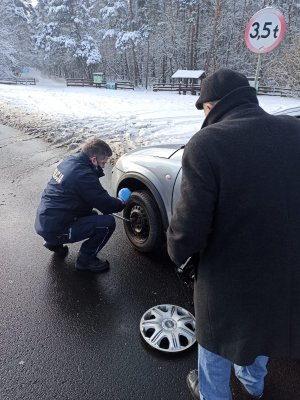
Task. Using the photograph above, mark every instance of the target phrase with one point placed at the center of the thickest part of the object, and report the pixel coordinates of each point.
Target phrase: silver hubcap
(168, 328)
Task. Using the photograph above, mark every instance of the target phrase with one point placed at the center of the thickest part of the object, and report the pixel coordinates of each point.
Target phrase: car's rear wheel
(144, 229)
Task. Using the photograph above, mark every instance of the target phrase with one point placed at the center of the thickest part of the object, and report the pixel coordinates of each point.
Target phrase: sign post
(263, 33)
(257, 71)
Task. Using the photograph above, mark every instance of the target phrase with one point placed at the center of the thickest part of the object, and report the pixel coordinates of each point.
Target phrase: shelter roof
(188, 73)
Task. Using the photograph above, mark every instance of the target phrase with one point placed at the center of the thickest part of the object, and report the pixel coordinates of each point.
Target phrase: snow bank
(67, 116)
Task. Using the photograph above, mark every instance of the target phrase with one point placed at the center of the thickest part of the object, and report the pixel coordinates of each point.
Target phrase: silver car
(153, 174)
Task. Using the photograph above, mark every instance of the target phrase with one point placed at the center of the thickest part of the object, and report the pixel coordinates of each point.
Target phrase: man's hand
(187, 270)
(124, 195)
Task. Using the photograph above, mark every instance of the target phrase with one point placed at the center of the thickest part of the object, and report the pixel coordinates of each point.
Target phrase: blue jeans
(214, 375)
(97, 229)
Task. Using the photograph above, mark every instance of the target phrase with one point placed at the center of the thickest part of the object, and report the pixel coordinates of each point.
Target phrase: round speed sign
(265, 30)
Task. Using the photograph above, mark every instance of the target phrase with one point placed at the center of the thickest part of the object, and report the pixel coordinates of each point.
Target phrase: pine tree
(148, 40)
(65, 36)
(15, 45)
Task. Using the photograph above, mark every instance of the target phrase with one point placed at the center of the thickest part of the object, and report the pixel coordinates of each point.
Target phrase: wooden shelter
(183, 81)
(189, 80)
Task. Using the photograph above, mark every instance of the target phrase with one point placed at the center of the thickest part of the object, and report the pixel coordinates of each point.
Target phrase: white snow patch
(67, 116)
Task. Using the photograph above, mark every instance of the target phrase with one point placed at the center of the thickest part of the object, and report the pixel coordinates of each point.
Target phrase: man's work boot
(60, 250)
(93, 264)
(192, 382)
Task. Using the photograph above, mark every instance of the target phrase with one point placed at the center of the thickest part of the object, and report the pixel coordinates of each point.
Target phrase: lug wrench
(186, 274)
(122, 218)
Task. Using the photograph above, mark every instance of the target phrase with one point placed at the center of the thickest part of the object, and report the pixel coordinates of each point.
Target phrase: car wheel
(144, 228)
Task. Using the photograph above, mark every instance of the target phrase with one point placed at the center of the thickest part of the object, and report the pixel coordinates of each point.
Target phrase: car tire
(145, 230)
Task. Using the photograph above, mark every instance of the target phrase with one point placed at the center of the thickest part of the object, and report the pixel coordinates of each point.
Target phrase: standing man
(239, 216)
(65, 213)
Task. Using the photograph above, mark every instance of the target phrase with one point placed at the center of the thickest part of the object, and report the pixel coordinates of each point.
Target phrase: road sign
(265, 30)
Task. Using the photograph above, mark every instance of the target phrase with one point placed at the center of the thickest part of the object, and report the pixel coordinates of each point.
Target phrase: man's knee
(111, 223)
(107, 221)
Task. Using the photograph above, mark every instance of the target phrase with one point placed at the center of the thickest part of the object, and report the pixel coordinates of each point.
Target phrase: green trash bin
(111, 85)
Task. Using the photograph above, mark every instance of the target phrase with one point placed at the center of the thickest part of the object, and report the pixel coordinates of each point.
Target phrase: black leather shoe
(192, 382)
(92, 265)
(60, 250)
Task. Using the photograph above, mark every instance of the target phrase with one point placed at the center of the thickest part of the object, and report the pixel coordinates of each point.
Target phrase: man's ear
(207, 107)
(210, 106)
(94, 160)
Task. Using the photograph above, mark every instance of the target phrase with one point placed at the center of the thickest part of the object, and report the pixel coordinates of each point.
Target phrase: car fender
(152, 183)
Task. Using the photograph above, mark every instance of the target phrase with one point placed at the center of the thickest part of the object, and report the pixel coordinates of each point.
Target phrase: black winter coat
(240, 209)
(73, 191)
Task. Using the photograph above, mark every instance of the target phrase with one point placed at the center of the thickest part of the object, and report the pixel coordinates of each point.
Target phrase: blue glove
(124, 194)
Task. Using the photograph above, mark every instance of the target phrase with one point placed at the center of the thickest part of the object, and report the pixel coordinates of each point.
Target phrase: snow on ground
(126, 119)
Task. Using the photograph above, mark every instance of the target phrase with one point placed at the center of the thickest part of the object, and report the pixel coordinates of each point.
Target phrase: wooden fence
(161, 87)
(195, 89)
(83, 82)
(181, 88)
(124, 85)
(79, 82)
(278, 91)
(17, 81)
(89, 82)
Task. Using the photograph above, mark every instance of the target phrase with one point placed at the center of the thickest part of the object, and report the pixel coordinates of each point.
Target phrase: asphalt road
(70, 335)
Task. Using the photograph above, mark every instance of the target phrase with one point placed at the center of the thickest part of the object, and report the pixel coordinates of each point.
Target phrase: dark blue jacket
(73, 191)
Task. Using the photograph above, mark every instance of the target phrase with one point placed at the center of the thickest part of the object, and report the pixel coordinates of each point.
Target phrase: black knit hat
(219, 84)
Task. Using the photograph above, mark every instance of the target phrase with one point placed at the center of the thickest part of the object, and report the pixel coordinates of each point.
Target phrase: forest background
(144, 41)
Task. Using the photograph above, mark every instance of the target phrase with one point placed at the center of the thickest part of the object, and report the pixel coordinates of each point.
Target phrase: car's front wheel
(144, 229)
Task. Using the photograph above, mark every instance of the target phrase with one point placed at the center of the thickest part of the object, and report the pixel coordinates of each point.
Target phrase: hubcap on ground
(168, 328)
